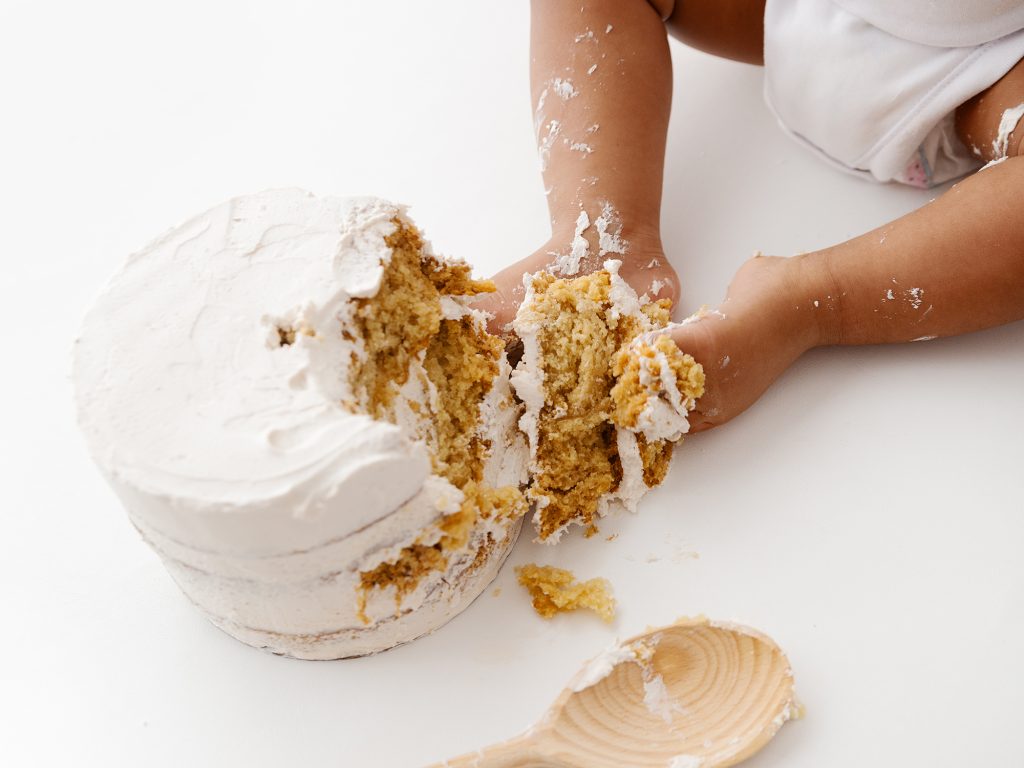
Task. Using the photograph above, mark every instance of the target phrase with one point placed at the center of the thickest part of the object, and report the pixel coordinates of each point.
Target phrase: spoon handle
(521, 752)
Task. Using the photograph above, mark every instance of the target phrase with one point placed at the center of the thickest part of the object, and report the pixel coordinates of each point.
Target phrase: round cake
(303, 416)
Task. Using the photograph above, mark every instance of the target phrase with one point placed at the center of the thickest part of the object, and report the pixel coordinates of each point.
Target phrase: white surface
(866, 513)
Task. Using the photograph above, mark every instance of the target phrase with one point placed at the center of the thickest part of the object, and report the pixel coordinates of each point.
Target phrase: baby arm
(601, 80)
(954, 266)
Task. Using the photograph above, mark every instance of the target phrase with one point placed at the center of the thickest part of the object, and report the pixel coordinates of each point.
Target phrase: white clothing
(856, 82)
(944, 23)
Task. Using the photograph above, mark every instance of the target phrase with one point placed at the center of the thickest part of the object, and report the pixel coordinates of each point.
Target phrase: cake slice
(605, 397)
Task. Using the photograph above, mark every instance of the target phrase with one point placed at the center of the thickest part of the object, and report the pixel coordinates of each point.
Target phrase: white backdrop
(867, 513)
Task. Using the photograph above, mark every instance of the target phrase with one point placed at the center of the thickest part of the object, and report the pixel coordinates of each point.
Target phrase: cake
(606, 392)
(307, 421)
(555, 590)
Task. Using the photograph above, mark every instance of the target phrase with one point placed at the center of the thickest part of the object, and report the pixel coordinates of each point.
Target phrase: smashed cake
(606, 395)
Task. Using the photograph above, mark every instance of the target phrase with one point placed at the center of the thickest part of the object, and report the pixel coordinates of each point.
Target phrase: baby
(917, 91)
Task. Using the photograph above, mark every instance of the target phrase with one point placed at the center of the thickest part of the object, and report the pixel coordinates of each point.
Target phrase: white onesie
(872, 85)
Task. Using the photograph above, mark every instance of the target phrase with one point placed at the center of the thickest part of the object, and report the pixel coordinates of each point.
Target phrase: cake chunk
(555, 590)
(602, 412)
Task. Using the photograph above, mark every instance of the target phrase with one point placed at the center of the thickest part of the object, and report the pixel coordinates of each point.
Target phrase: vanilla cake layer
(303, 416)
(606, 393)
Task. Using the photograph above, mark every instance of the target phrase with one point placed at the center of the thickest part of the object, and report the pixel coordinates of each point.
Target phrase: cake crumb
(496, 592)
(555, 590)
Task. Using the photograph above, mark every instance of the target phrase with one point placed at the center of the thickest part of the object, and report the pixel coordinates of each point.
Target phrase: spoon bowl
(696, 694)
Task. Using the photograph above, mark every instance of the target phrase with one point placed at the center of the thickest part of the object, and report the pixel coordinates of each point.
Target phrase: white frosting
(234, 453)
(599, 667)
(538, 113)
(564, 88)
(609, 228)
(632, 486)
(792, 711)
(508, 462)
(992, 164)
(528, 377)
(569, 264)
(547, 142)
(665, 414)
(657, 698)
(1007, 125)
(623, 298)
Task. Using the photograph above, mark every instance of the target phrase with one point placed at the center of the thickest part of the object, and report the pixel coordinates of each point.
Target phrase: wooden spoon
(696, 694)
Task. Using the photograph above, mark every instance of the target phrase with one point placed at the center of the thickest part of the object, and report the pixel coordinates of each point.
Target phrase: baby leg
(978, 121)
(732, 29)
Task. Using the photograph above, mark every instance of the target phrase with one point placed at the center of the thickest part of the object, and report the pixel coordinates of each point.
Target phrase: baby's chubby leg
(732, 29)
(978, 120)
(955, 265)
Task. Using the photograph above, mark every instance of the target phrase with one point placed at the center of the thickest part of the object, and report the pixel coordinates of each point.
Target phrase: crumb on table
(555, 590)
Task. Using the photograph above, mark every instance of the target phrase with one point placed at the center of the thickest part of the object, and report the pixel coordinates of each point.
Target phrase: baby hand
(645, 268)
